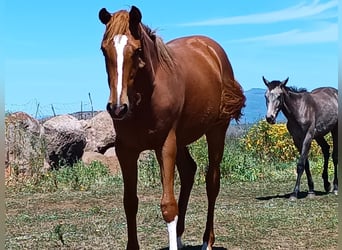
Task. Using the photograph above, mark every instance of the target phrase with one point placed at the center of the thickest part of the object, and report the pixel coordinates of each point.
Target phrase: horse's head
(274, 98)
(122, 49)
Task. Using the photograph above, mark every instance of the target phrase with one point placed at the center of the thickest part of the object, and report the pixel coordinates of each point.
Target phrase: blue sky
(53, 57)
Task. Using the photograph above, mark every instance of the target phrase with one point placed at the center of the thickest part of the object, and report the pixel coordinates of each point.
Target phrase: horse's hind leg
(187, 168)
(325, 150)
(334, 134)
(215, 139)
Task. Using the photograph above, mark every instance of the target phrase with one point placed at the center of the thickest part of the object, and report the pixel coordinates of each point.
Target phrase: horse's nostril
(109, 107)
(270, 119)
(124, 108)
(121, 110)
(117, 111)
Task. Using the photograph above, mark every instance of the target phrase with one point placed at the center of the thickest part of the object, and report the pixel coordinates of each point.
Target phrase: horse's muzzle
(271, 119)
(117, 112)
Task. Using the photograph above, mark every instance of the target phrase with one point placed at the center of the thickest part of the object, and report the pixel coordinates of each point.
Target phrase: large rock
(100, 133)
(109, 161)
(24, 144)
(65, 140)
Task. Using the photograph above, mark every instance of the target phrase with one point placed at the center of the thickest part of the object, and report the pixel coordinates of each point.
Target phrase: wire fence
(34, 108)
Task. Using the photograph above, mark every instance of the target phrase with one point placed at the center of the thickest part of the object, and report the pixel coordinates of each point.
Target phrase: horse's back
(326, 96)
(329, 91)
(205, 72)
(326, 100)
(195, 51)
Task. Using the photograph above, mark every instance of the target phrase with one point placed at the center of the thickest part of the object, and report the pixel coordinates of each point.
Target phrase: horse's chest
(141, 135)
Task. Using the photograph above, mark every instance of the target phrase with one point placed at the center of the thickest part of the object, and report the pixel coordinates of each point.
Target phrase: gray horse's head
(274, 98)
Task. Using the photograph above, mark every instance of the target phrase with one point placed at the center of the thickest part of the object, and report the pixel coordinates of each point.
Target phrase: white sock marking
(120, 42)
(172, 229)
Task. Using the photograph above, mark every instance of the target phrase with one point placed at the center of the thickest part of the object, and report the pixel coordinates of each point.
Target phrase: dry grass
(254, 215)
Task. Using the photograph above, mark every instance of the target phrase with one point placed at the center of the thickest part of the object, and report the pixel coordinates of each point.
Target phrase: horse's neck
(150, 57)
(291, 105)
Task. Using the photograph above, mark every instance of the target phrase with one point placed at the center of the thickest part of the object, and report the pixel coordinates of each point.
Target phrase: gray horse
(310, 116)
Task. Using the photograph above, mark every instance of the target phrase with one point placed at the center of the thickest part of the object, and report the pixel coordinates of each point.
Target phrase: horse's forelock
(274, 84)
(118, 24)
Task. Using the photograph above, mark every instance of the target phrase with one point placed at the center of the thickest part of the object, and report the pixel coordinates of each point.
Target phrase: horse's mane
(119, 24)
(296, 90)
(163, 52)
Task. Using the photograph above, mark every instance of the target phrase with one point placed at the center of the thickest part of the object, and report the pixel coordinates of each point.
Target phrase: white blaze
(120, 42)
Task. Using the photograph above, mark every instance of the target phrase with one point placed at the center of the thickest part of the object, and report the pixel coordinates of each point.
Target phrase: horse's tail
(232, 100)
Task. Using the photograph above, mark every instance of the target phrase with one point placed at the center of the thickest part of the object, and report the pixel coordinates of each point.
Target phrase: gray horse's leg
(325, 149)
(304, 148)
(334, 134)
(311, 192)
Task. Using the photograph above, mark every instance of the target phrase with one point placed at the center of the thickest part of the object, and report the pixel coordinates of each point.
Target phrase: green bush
(267, 141)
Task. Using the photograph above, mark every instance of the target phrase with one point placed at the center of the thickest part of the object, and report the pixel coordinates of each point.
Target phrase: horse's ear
(104, 16)
(134, 20)
(283, 83)
(267, 83)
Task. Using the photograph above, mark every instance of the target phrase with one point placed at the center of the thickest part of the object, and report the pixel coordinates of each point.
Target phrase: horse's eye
(138, 52)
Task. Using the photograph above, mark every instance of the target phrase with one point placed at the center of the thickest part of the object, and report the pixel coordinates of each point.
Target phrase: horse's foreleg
(304, 148)
(215, 139)
(187, 168)
(325, 150)
(167, 158)
(128, 164)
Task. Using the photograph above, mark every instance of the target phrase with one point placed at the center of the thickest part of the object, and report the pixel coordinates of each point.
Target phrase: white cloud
(328, 33)
(302, 10)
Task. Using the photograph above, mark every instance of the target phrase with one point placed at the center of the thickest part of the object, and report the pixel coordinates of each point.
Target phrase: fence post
(91, 105)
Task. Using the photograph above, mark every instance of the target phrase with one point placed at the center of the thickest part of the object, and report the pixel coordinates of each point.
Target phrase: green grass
(80, 207)
(248, 215)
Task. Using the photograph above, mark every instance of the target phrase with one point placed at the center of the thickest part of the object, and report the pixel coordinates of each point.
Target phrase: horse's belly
(192, 127)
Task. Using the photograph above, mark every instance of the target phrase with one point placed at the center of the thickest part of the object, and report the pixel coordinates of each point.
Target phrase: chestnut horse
(164, 97)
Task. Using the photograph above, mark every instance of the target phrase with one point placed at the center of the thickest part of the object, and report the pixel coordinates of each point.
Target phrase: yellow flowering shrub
(274, 142)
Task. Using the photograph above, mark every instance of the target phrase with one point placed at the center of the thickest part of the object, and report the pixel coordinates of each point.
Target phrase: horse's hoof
(335, 192)
(327, 187)
(293, 198)
(311, 195)
(205, 246)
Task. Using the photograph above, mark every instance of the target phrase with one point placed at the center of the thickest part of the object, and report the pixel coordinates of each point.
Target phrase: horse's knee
(300, 168)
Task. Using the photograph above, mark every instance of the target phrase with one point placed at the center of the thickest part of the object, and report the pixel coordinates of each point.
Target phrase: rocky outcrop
(24, 143)
(58, 141)
(65, 140)
(111, 161)
(100, 134)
